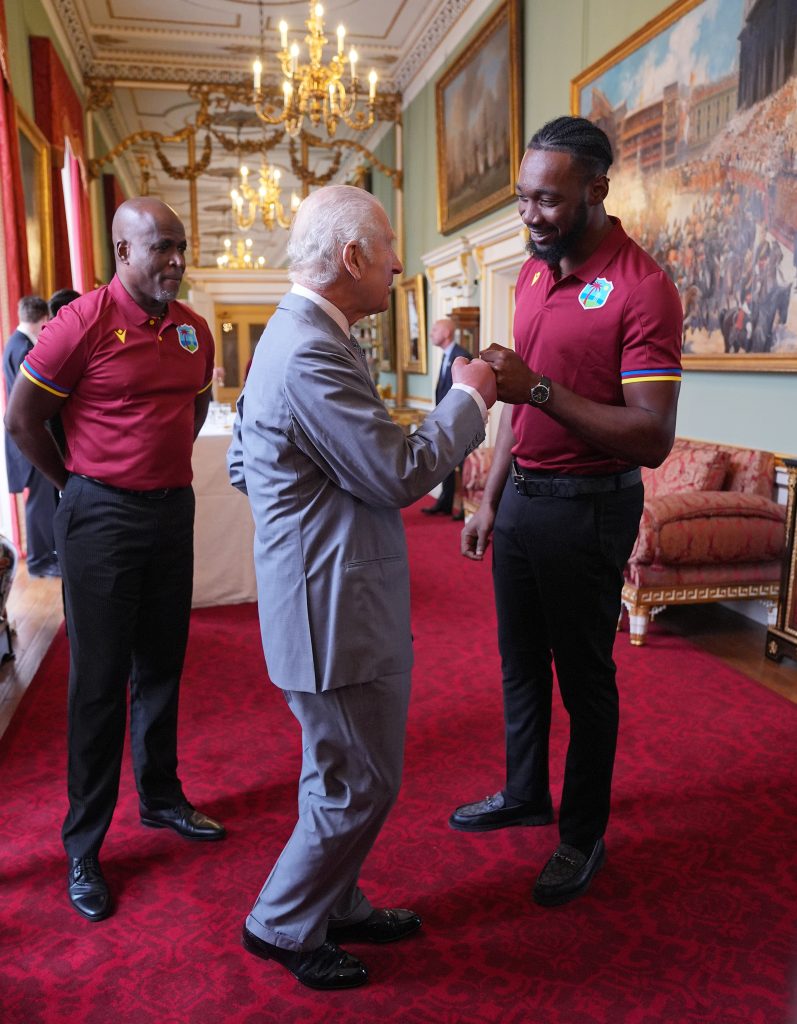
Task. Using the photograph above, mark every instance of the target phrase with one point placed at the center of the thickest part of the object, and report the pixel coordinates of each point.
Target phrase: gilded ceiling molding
(431, 38)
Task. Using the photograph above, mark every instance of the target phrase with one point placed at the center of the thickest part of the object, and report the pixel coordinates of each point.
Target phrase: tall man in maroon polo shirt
(592, 390)
(129, 370)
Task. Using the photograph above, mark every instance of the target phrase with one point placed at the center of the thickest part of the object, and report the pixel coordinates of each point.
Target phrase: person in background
(61, 298)
(442, 335)
(326, 471)
(591, 395)
(124, 526)
(42, 498)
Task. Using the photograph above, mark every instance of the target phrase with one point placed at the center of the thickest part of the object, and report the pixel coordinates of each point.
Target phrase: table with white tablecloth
(224, 571)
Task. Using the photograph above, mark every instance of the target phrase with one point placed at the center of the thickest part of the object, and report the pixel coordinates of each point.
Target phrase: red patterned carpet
(692, 920)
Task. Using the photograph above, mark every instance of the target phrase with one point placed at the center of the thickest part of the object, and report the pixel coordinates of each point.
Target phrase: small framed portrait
(412, 324)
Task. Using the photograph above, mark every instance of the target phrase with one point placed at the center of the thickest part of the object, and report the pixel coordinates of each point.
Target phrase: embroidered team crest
(121, 334)
(535, 279)
(593, 296)
(186, 335)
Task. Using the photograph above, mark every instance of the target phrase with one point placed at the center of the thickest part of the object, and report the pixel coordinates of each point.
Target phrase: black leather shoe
(379, 926)
(185, 821)
(492, 812)
(458, 517)
(328, 967)
(436, 510)
(567, 874)
(42, 571)
(88, 890)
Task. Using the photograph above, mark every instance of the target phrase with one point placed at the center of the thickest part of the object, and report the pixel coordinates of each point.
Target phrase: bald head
(149, 245)
(442, 333)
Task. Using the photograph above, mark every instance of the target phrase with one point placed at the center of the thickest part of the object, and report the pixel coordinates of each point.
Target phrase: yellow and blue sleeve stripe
(43, 382)
(659, 373)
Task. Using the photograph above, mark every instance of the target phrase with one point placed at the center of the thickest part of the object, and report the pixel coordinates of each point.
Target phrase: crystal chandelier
(241, 258)
(247, 201)
(315, 90)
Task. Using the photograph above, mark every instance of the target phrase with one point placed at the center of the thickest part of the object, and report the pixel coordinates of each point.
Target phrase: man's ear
(122, 250)
(353, 260)
(598, 189)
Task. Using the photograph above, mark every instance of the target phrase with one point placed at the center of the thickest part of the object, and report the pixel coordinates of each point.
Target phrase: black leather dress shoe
(458, 517)
(88, 890)
(379, 926)
(186, 821)
(328, 967)
(436, 510)
(492, 812)
(567, 874)
(47, 569)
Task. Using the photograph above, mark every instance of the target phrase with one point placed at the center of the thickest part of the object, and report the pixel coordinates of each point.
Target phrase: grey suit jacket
(327, 471)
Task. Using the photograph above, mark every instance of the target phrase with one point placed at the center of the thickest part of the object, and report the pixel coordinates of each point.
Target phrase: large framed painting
(479, 123)
(700, 107)
(34, 155)
(412, 324)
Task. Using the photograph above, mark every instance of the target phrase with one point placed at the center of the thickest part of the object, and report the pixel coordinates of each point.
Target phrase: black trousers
(557, 573)
(127, 565)
(39, 512)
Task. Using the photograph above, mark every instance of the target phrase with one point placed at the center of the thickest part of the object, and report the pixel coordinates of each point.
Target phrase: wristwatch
(541, 392)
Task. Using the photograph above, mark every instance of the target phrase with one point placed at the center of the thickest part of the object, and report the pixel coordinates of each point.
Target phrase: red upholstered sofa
(710, 531)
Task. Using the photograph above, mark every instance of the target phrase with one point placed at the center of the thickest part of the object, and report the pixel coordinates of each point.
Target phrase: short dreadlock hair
(587, 143)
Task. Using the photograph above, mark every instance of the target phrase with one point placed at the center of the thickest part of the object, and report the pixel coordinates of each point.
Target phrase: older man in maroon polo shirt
(128, 369)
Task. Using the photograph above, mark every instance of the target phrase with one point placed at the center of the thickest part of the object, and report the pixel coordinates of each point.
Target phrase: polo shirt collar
(131, 309)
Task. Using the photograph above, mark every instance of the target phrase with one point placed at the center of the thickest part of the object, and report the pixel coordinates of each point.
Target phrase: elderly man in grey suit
(327, 471)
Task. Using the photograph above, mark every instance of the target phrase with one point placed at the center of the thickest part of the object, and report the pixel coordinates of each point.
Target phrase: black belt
(531, 484)
(158, 493)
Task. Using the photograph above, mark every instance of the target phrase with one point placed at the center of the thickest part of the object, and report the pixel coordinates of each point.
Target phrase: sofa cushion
(751, 471)
(710, 528)
(739, 574)
(690, 466)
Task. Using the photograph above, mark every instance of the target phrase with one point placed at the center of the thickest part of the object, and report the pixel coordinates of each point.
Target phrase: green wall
(561, 39)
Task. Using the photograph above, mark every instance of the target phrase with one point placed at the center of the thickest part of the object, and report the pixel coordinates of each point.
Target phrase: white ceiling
(151, 50)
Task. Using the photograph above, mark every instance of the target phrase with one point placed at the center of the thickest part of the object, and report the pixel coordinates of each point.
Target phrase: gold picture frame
(412, 324)
(479, 126)
(34, 153)
(700, 178)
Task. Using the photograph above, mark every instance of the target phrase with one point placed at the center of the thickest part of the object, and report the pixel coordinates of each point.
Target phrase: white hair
(325, 222)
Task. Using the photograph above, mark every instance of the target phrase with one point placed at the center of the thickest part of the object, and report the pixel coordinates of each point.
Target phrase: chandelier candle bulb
(257, 68)
(294, 57)
(341, 37)
(353, 63)
(284, 35)
(372, 86)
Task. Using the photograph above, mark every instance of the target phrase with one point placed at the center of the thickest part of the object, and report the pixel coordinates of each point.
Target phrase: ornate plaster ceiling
(142, 55)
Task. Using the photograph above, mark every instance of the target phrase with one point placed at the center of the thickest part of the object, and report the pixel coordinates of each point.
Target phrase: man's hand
(476, 374)
(513, 378)
(475, 536)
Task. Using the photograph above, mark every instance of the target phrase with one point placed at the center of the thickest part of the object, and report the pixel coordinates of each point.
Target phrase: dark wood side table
(782, 637)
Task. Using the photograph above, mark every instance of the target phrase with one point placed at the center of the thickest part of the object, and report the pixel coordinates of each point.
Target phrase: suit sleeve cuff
(474, 394)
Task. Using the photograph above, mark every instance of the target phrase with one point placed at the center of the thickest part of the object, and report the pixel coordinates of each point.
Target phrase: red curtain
(15, 282)
(59, 115)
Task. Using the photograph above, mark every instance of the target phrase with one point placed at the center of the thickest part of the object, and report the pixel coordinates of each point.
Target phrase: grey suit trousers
(352, 762)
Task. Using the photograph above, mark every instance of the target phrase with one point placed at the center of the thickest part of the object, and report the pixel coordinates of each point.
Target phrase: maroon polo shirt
(612, 323)
(130, 381)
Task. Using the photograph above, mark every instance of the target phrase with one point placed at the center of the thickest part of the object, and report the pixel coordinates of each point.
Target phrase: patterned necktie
(359, 350)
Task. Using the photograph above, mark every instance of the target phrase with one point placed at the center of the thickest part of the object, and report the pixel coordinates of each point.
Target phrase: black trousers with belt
(127, 565)
(557, 572)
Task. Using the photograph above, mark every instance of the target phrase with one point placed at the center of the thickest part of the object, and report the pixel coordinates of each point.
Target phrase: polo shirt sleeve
(209, 350)
(58, 359)
(653, 324)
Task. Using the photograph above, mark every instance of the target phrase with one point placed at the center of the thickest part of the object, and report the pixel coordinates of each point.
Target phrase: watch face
(540, 393)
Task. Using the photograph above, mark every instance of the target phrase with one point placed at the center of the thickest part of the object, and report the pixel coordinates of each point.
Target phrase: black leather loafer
(492, 812)
(186, 821)
(328, 967)
(435, 510)
(567, 874)
(379, 926)
(88, 890)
